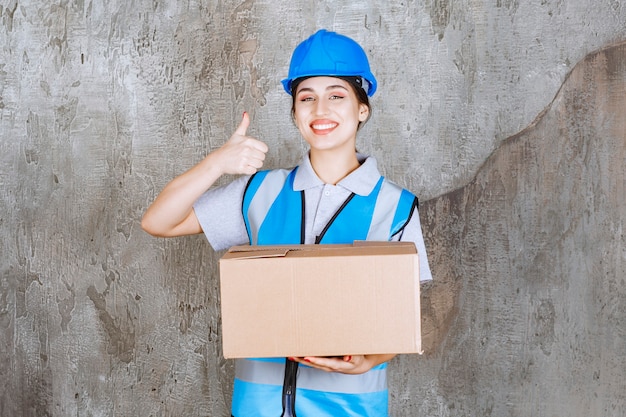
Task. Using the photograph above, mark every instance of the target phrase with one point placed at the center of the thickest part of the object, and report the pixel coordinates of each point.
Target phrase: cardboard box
(320, 300)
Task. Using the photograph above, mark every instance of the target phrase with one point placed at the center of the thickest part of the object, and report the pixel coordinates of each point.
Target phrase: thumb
(243, 126)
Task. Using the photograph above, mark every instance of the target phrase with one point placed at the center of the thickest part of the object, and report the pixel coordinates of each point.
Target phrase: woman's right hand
(241, 154)
(171, 213)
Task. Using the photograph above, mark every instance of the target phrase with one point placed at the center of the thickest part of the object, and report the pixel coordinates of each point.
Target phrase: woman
(334, 195)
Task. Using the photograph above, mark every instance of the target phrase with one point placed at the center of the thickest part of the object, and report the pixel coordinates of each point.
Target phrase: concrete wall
(532, 256)
(102, 103)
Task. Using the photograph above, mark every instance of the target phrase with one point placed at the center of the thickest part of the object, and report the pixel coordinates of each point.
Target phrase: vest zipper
(289, 389)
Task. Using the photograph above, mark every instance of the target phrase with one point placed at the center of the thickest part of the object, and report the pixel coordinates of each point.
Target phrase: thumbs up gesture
(242, 154)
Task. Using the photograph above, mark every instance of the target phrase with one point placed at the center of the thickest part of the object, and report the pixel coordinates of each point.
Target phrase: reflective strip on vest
(272, 373)
(381, 224)
(256, 206)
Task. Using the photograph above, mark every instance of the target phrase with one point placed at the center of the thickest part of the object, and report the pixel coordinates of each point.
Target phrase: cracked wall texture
(505, 117)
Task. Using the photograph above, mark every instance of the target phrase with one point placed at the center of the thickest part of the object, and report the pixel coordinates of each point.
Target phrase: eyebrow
(330, 87)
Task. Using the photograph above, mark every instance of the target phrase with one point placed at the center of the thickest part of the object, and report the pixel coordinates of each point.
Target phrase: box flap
(250, 252)
(356, 248)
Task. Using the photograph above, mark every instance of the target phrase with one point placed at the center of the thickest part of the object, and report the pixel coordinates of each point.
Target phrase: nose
(321, 107)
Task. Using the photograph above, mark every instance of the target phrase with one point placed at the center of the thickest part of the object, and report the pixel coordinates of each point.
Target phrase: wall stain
(247, 49)
(66, 306)
(3, 77)
(440, 11)
(9, 12)
(64, 115)
(511, 5)
(120, 331)
(187, 314)
(543, 326)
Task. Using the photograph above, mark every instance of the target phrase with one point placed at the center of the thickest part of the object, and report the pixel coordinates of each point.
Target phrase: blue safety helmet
(330, 54)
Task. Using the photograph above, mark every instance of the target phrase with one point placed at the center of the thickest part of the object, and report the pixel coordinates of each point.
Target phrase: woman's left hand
(348, 364)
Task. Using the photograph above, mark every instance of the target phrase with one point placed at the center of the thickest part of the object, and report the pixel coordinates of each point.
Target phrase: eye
(306, 98)
(336, 97)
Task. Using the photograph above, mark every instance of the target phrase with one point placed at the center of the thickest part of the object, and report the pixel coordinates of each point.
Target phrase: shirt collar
(361, 181)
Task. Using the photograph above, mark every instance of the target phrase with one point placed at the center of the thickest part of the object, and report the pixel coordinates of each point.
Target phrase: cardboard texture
(320, 300)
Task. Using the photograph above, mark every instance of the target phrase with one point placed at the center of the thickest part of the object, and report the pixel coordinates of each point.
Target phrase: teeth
(323, 127)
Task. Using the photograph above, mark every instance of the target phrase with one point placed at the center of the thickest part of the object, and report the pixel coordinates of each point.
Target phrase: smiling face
(327, 112)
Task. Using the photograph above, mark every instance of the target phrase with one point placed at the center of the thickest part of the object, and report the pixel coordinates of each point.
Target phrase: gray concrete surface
(500, 115)
(528, 318)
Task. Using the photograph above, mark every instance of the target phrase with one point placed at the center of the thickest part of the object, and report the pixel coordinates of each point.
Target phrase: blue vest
(274, 214)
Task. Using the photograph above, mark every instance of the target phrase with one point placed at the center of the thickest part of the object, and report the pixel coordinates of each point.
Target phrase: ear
(364, 112)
